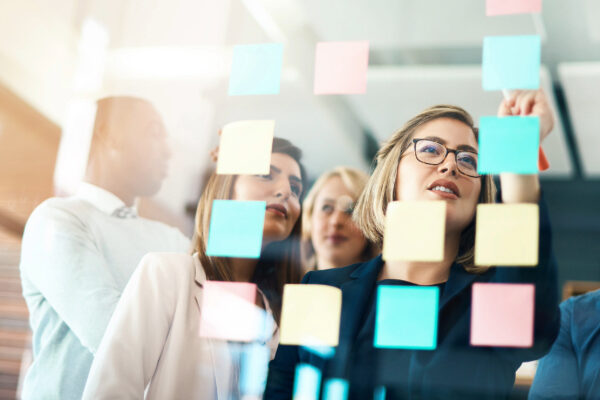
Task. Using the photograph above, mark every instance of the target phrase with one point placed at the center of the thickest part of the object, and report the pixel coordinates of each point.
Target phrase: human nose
(283, 189)
(338, 218)
(449, 165)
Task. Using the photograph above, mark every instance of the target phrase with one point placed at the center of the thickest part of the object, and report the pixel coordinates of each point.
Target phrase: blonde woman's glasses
(434, 153)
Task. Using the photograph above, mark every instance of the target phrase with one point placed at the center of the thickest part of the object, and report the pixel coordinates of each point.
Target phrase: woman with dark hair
(433, 157)
(152, 346)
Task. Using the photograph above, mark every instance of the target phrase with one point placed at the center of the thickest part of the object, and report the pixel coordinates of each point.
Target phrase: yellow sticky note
(310, 315)
(414, 231)
(507, 234)
(245, 148)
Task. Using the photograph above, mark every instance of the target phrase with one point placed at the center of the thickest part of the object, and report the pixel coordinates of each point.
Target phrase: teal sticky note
(254, 368)
(511, 62)
(508, 144)
(335, 389)
(236, 228)
(406, 317)
(307, 382)
(256, 69)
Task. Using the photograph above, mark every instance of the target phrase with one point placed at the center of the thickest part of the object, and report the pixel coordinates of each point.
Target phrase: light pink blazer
(151, 348)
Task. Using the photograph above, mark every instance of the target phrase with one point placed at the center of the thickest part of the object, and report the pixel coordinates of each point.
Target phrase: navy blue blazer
(454, 369)
(571, 370)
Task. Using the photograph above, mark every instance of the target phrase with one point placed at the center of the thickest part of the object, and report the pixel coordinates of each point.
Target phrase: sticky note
(511, 62)
(502, 314)
(256, 69)
(307, 382)
(245, 148)
(335, 389)
(414, 231)
(236, 228)
(310, 315)
(508, 144)
(229, 311)
(325, 352)
(507, 234)
(254, 368)
(406, 317)
(504, 7)
(341, 67)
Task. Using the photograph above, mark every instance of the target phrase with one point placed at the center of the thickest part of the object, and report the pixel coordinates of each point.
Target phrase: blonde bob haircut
(279, 262)
(369, 214)
(355, 181)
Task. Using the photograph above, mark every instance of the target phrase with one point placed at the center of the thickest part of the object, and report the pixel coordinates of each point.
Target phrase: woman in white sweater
(152, 348)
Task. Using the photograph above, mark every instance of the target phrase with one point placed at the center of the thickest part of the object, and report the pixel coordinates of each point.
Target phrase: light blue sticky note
(236, 228)
(511, 62)
(379, 393)
(256, 69)
(254, 368)
(335, 389)
(307, 382)
(508, 144)
(406, 317)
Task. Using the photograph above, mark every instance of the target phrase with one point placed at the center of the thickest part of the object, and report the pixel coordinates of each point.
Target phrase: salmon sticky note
(504, 7)
(307, 382)
(229, 312)
(507, 234)
(508, 144)
(256, 69)
(236, 228)
(414, 231)
(511, 62)
(341, 67)
(310, 315)
(502, 314)
(245, 148)
(406, 317)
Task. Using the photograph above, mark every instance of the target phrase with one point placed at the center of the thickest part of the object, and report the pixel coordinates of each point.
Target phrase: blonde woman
(433, 157)
(330, 239)
(152, 347)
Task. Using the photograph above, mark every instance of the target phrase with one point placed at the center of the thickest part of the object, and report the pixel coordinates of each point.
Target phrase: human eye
(469, 160)
(296, 189)
(327, 208)
(266, 176)
(429, 147)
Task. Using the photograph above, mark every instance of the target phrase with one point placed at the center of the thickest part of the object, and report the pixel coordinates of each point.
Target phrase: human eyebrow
(275, 169)
(435, 139)
(466, 147)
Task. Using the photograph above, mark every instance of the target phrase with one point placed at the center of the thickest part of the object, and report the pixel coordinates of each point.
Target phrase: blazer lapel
(458, 280)
(356, 294)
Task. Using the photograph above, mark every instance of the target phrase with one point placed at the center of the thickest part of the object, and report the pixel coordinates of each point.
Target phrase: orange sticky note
(310, 315)
(341, 67)
(228, 312)
(414, 231)
(502, 314)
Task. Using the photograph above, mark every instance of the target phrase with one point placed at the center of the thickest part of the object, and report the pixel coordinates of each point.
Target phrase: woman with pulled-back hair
(152, 348)
(433, 157)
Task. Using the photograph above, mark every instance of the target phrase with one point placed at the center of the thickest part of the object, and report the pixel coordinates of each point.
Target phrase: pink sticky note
(228, 311)
(504, 7)
(341, 67)
(502, 314)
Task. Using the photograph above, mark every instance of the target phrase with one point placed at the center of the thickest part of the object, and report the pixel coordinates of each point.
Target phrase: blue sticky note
(406, 317)
(254, 368)
(335, 389)
(256, 69)
(511, 62)
(236, 228)
(325, 352)
(508, 144)
(307, 382)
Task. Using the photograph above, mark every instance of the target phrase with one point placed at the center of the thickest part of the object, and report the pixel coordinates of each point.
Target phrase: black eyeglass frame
(455, 151)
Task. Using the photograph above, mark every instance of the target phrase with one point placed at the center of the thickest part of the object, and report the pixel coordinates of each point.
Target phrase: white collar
(100, 198)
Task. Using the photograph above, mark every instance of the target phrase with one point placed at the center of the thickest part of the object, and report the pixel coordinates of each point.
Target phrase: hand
(529, 103)
(214, 153)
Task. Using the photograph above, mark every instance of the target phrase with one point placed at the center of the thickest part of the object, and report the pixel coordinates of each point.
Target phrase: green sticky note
(236, 228)
(511, 62)
(406, 317)
(508, 144)
(256, 69)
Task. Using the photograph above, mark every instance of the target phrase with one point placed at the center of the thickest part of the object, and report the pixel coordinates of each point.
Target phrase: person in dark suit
(455, 369)
(570, 370)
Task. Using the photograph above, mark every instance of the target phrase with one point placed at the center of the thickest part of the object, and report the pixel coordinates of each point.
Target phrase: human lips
(445, 188)
(336, 238)
(277, 209)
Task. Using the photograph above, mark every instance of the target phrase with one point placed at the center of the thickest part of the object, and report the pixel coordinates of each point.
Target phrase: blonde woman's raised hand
(529, 103)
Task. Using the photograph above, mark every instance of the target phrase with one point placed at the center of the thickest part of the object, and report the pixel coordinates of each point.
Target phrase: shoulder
(333, 276)
(57, 207)
(167, 264)
(583, 306)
